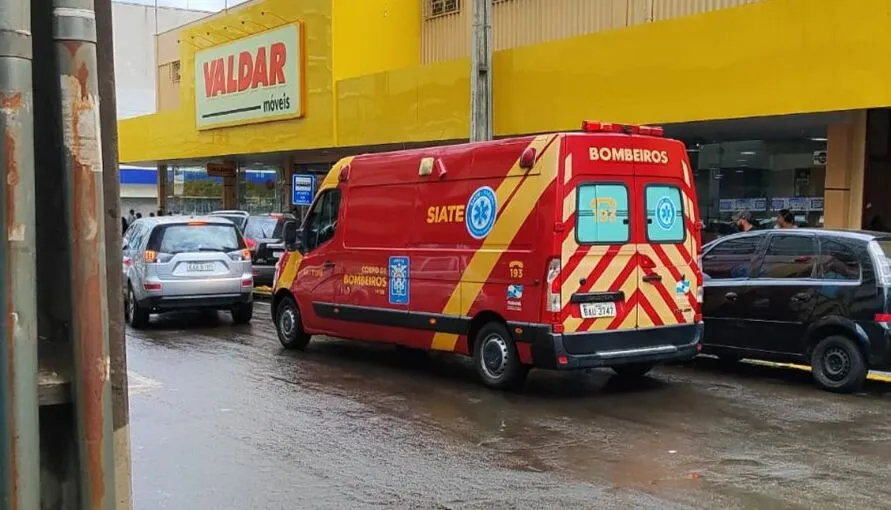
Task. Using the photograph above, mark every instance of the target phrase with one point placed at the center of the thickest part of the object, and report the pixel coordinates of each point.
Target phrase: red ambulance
(560, 251)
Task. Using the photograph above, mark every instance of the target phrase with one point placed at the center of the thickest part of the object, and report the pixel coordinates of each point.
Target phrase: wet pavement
(223, 418)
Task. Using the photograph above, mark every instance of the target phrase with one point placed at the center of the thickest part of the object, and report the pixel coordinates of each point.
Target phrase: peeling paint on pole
(75, 35)
(19, 443)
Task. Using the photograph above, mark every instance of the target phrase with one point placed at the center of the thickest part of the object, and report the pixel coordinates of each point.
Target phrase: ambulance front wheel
(496, 359)
(289, 326)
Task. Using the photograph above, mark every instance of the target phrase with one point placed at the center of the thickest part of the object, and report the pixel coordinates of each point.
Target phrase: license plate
(598, 310)
(278, 254)
(200, 267)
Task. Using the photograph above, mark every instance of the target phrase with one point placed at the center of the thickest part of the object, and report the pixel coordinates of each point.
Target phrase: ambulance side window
(321, 223)
(602, 213)
(665, 214)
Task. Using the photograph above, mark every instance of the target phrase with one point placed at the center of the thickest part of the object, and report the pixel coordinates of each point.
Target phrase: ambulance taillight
(553, 286)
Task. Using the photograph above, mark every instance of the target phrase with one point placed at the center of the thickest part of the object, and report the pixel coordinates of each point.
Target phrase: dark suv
(263, 235)
(819, 297)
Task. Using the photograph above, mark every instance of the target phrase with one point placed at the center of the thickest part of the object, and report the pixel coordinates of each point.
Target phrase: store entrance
(877, 171)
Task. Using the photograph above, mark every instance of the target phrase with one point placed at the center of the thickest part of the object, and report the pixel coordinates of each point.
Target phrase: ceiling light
(748, 153)
(819, 139)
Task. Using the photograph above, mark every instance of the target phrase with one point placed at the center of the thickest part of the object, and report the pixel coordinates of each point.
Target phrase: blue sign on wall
(303, 189)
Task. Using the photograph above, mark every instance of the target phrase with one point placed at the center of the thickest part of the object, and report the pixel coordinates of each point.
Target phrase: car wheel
(137, 317)
(633, 371)
(289, 326)
(242, 313)
(838, 365)
(496, 359)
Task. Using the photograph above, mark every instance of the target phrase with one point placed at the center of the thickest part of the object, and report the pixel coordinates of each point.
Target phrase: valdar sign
(255, 69)
(254, 79)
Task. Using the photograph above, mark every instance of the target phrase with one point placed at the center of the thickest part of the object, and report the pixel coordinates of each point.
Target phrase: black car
(263, 235)
(819, 297)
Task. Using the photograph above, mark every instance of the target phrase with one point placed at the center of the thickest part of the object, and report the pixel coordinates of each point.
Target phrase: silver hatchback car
(176, 263)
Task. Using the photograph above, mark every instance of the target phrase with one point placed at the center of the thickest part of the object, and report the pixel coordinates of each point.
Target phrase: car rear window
(234, 218)
(885, 245)
(259, 227)
(195, 237)
(602, 214)
(665, 214)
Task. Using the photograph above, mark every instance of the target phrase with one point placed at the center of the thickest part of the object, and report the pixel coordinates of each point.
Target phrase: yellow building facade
(782, 102)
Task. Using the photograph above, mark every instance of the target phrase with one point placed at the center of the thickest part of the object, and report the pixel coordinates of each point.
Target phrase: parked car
(174, 263)
(263, 235)
(819, 297)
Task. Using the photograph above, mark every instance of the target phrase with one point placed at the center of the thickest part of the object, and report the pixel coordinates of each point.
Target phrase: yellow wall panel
(768, 58)
(408, 105)
(371, 36)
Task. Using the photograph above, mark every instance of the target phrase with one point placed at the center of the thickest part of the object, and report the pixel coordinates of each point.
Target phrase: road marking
(877, 376)
(140, 384)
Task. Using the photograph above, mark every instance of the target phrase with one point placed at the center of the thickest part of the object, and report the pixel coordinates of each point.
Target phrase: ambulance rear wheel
(496, 359)
(289, 326)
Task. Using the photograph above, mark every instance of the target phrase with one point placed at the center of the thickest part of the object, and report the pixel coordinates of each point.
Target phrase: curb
(884, 377)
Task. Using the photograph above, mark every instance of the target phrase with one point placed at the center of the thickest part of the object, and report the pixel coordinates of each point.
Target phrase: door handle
(801, 296)
(650, 278)
(328, 264)
(731, 296)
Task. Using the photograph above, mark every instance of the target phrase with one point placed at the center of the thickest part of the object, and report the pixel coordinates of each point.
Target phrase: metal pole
(112, 186)
(19, 416)
(481, 72)
(74, 32)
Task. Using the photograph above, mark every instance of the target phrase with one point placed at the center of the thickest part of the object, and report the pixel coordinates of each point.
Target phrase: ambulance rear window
(602, 214)
(665, 214)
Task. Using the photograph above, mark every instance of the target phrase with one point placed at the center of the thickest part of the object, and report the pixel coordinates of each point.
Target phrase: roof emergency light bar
(608, 127)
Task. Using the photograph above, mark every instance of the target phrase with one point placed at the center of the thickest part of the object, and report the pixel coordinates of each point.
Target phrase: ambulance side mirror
(291, 236)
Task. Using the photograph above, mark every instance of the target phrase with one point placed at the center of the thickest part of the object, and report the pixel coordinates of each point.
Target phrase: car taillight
(251, 244)
(247, 282)
(151, 256)
(152, 286)
(554, 303)
(245, 254)
(883, 318)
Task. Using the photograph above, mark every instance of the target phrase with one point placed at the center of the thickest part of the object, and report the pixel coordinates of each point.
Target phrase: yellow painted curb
(872, 375)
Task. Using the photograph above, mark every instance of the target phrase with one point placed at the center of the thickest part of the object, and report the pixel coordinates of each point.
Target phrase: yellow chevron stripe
(567, 169)
(507, 225)
(588, 263)
(605, 280)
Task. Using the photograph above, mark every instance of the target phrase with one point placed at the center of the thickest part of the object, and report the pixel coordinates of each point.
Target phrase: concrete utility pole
(481, 72)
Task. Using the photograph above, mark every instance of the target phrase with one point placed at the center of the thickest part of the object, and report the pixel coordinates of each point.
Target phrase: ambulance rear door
(599, 276)
(669, 278)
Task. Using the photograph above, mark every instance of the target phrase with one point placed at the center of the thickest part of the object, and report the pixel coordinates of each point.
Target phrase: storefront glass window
(763, 177)
(191, 191)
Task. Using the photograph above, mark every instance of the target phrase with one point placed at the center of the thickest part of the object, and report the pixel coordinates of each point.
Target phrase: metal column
(481, 72)
(19, 443)
(74, 33)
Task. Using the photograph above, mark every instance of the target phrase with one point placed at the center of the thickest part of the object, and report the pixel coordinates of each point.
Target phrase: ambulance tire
(496, 358)
(289, 326)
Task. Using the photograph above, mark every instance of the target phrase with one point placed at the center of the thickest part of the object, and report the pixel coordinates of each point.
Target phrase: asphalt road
(223, 418)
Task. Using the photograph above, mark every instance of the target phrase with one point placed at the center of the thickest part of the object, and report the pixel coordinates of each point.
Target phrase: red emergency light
(609, 127)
